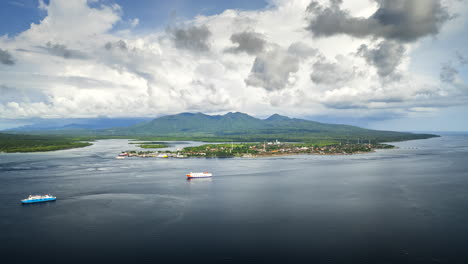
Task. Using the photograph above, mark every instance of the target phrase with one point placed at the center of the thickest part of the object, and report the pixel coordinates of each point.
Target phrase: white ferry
(199, 175)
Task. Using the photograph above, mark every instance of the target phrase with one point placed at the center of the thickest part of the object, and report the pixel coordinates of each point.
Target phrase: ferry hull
(193, 177)
(38, 200)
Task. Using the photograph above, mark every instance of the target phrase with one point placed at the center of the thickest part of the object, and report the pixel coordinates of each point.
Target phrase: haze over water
(405, 205)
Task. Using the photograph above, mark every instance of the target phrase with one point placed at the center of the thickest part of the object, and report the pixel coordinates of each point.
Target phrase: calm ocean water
(406, 205)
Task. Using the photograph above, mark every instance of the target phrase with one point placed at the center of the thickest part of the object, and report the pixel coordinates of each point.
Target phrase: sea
(402, 205)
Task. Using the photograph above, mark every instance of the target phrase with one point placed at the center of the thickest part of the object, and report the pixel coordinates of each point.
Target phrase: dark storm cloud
(272, 70)
(324, 72)
(385, 57)
(6, 57)
(448, 73)
(61, 50)
(249, 42)
(461, 59)
(343, 105)
(122, 45)
(192, 38)
(402, 20)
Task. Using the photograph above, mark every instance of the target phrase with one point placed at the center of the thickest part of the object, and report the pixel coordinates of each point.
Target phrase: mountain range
(62, 124)
(229, 127)
(240, 126)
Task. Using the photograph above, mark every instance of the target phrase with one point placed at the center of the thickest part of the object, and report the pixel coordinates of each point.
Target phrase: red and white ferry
(199, 175)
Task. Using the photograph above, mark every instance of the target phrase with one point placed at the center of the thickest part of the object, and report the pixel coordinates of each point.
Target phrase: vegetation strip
(28, 143)
(153, 146)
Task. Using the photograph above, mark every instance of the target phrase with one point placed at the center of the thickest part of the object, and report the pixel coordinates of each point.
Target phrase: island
(265, 149)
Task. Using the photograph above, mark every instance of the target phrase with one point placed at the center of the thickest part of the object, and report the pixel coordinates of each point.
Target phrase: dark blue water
(406, 205)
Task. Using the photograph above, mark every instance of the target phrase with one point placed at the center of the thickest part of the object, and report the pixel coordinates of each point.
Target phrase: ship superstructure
(199, 175)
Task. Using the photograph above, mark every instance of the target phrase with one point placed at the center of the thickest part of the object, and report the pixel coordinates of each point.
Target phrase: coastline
(257, 150)
(292, 154)
(317, 154)
(77, 145)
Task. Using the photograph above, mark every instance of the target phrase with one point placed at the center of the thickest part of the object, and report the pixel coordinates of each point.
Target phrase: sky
(383, 64)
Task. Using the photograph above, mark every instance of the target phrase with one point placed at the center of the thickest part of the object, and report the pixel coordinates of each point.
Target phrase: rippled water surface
(405, 205)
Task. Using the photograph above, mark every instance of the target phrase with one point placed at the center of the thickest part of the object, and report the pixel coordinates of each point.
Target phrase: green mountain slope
(188, 123)
(240, 126)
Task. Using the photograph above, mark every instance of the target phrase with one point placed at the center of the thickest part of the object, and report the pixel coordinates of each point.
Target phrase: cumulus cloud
(194, 38)
(302, 50)
(72, 21)
(252, 62)
(6, 57)
(272, 70)
(402, 20)
(386, 56)
(249, 42)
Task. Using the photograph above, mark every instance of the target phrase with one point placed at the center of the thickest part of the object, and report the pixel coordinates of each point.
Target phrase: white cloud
(72, 21)
(72, 64)
(134, 22)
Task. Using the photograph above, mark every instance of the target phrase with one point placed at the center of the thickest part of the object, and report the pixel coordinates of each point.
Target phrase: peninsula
(10, 143)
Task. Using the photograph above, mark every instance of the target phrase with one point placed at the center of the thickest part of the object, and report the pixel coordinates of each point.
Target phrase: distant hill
(69, 124)
(240, 126)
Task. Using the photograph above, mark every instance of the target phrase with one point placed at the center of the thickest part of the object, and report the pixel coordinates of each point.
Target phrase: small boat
(199, 175)
(39, 198)
(120, 157)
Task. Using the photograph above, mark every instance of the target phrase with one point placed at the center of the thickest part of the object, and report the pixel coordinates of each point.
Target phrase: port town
(254, 150)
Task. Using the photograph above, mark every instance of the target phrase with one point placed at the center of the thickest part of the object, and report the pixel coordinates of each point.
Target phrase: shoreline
(39, 150)
(90, 143)
(264, 156)
(317, 154)
(325, 151)
(292, 154)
